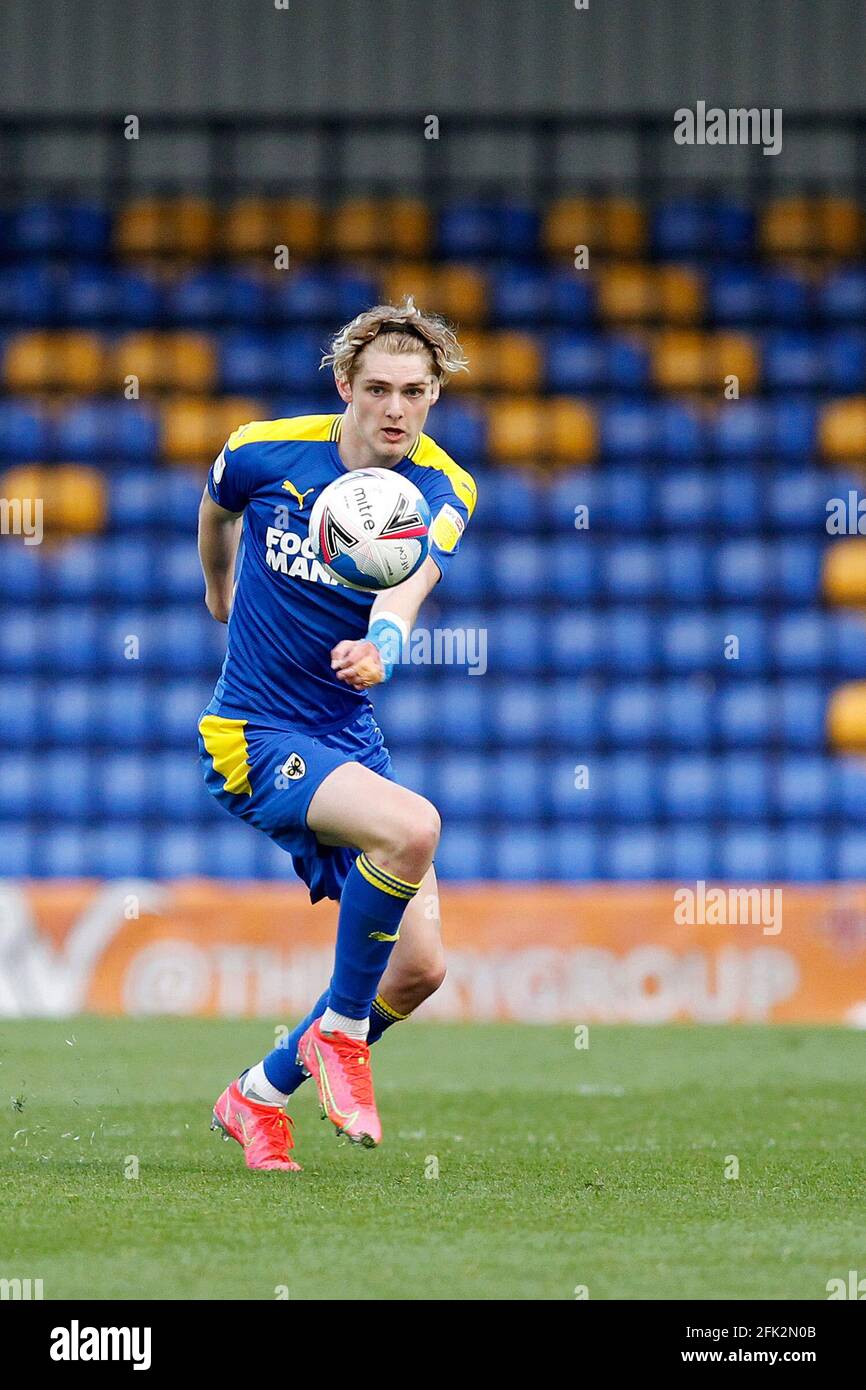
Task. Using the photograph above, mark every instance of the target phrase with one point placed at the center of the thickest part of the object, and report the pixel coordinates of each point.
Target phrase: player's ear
(344, 388)
(434, 390)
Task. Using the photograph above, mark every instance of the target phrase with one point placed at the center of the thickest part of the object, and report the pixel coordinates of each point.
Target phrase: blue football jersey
(288, 612)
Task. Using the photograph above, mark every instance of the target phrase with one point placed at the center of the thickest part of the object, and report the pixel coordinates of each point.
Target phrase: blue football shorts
(269, 777)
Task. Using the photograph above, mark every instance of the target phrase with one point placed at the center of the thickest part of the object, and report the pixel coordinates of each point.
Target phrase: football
(370, 529)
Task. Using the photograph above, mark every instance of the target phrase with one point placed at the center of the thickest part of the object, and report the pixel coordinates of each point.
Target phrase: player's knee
(421, 978)
(421, 832)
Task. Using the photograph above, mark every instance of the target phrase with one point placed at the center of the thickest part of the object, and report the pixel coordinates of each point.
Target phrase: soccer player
(289, 741)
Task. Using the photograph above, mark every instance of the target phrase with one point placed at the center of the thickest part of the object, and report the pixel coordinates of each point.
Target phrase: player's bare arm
(360, 663)
(218, 533)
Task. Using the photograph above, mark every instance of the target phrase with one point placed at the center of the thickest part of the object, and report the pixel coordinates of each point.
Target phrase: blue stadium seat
(747, 714)
(60, 852)
(682, 432)
(842, 294)
(69, 717)
(198, 297)
(178, 573)
(628, 853)
(572, 564)
(849, 787)
(177, 853)
(792, 358)
(575, 709)
(803, 787)
(461, 707)
(463, 785)
(684, 499)
(24, 573)
(462, 853)
(406, 707)
(624, 501)
(77, 569)
(308, 295)
(631, 570)
(519, 713)
(518, 502)
(845, 360)
(793, 429)
(851, 855)
(745, 789)
(107, 431)
(518, 569)
(632, 714)
(18, 851)
(741, 431)
(26, 434)
(689, 787)
(572, 300)
(247, 361)
(690, 852)
(572, 640)
(800, 714)
(629, 430)
(735, 295)
(739, 498)
(801, 642)
(687, 717)
(460, 428)
(747, 854)
(21, 777)
(519, 294)
(231, 851)
(21, 710)
(176, 706)
(685, 570)
(65, 785)
(140, 299)
(568, 491)
(514, 786)
(28, 295)
(517, 853)
(847, 642)
(797, 565)
(804, 854)
(630, 787)
(468, 228)
(295, 360)
(515, 642)
(175, 788)
(576, 361)
(122, 788)
(577, 785)
(744, 571)
(797, 500)
(572, 853)
(88, 296)
(122, 713)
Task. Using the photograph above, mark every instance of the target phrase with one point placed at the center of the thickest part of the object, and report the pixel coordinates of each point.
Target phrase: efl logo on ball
(370, 528)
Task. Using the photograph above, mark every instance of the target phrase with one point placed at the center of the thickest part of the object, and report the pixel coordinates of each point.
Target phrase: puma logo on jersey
(290, 487)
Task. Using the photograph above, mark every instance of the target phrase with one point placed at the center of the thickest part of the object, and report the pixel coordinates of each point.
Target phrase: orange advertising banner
(535, 953)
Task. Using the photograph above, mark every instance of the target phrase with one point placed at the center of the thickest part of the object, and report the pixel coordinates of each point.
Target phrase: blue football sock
(372, 904)
(282, 1070)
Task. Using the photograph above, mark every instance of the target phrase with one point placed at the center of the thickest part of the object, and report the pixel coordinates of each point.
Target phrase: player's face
(390, 396)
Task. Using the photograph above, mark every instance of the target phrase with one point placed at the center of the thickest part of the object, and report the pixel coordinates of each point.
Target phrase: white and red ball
(370, 528)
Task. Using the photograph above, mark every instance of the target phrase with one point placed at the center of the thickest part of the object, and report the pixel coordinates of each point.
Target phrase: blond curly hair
(397, 328)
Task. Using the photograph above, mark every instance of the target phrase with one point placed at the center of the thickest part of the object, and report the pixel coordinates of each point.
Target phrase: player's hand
(358, 664)
(217, 605)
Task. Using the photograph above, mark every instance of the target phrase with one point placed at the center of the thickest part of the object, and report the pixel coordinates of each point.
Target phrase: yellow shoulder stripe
(428, 454)
(295, 427)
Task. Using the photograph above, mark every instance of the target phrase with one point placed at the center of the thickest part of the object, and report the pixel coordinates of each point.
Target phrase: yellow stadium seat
(626, 292)
(810, 226)
(569, 222)
(843, 226)
(790, 225)
(298, 224)
(141, 355)
(623, 224)
(842, 430)
(409, 227)
(73, 496)
(191, 362)
(846, 717)
(844, 577)
(734, 354)
(679, 359)
(516, 363)
(82, 362)
(480, 352)
(408, 277)
(518, 429)
(358, 227)
(573, 435)
(194, 227)
(680, 294)
(462, 289)
(248, 227)
(143, 227)
(29, 362)
(187, 430)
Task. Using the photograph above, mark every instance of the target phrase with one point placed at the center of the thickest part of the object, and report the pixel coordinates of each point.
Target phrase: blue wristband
(388, 640)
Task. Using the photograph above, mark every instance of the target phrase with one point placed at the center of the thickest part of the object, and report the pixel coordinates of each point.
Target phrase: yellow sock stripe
(391, 882)
(386, 1011)
(380, 883)
(386, 873)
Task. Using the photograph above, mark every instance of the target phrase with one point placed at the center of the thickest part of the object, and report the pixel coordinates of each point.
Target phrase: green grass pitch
(557, 1167)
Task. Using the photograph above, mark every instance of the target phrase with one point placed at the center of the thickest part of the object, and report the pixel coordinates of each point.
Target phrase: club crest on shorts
(294, 767)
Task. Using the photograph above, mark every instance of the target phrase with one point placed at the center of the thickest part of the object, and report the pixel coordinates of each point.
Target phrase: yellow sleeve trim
(295, 427)
(428, 454)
